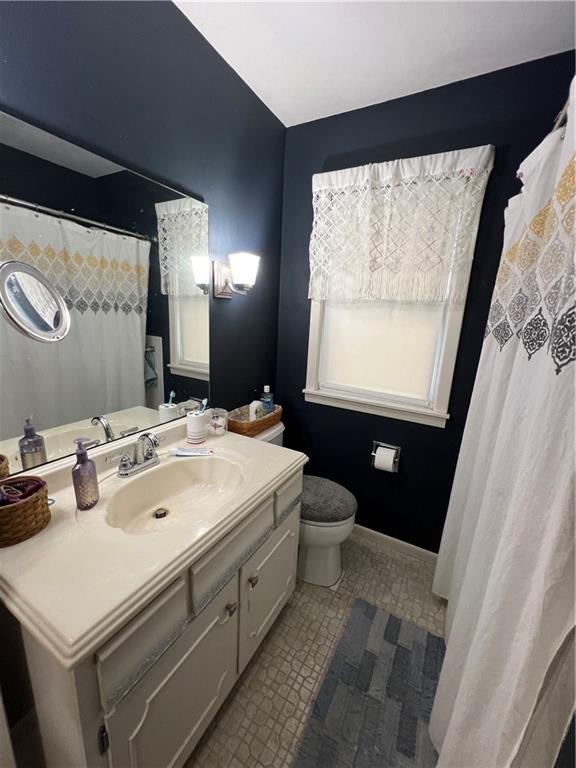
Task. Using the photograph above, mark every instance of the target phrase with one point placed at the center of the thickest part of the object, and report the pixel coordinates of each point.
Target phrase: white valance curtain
(182, 235)
(506, 562)
(99, 367)
(398, 231)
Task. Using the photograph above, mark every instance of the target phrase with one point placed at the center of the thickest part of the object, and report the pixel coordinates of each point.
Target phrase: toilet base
(320, 565)
(319, 552)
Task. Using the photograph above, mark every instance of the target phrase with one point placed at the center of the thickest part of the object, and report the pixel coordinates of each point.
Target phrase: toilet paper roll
(385, 459)
(167, 412)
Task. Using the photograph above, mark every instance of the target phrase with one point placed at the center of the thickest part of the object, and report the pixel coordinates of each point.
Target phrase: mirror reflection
(123, 257)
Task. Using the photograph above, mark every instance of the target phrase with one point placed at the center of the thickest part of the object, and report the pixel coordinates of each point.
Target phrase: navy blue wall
(137, 83)
(512, 109)
(567, 751)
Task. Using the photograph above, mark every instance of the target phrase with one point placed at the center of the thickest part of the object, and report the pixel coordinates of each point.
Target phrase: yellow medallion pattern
(86, 282)
(536, 283)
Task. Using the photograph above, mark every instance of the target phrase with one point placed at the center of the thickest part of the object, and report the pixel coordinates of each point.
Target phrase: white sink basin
(160, 497)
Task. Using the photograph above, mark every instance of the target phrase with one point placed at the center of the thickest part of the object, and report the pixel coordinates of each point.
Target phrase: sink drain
(159, 513)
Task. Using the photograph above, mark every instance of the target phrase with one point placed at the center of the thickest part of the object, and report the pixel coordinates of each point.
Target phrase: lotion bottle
(84, 477)
(32, 447)
(267, 400)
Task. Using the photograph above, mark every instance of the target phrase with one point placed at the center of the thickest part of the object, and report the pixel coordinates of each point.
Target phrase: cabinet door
(266, 582)
(160, 721)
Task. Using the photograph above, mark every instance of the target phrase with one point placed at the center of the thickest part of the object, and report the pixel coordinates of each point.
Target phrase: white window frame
(433, 411)
(179, 364)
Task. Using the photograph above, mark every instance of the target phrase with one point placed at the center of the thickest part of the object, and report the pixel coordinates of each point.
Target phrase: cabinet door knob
(231, 608)
(253, 580)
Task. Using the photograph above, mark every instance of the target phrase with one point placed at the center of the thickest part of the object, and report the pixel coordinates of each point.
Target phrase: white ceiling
(27, 138)
(308, 60)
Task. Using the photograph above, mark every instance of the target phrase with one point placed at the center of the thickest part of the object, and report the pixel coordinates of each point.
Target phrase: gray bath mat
(373, 707)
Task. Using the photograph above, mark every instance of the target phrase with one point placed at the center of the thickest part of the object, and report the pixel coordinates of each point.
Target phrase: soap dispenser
(84, 477)
(32, 447)
(267, 400)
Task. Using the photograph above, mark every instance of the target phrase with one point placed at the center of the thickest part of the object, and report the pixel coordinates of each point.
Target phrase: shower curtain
(506, 563)
(99, 367)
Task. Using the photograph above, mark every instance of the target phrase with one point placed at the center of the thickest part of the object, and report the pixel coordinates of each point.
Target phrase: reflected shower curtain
(99, 367)
(506, 563)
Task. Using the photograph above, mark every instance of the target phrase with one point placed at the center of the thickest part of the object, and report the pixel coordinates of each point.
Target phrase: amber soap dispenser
(84, 477)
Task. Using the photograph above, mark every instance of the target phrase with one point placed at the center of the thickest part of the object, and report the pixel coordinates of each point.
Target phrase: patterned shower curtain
(506, 563)
(99, 367)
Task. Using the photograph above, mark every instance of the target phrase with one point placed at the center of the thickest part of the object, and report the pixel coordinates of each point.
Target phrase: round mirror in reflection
(31, 303)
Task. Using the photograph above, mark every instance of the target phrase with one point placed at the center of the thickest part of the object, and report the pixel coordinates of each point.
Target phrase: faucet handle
(124, 460)
(128, 431)
(91, 443)
(154, 439)
(153, 443)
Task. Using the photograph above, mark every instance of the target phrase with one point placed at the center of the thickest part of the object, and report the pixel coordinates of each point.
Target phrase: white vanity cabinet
(266, 582)
(160, 720)
(144, 698)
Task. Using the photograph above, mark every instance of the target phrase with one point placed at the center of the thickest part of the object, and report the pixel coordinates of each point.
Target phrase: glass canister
(217, 421)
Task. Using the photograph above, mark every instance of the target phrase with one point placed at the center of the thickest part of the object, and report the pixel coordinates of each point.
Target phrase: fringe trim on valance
(400, 231)
(182, 234)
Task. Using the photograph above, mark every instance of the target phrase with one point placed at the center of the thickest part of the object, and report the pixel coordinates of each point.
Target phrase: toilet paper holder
(377, 444)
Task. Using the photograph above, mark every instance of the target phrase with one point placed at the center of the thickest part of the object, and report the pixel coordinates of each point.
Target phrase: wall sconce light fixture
(239, 277)
(201, 272)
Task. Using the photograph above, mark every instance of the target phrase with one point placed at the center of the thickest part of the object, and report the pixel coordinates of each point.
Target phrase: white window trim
(435, 413)
(178, 364)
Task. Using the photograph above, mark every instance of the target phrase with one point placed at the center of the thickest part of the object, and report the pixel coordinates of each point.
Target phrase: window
(381, 358)
(189, 336)
(183, 244)
(390, 256)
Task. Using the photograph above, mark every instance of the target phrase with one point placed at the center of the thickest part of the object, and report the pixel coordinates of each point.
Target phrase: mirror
(31, 303)
(103, 261)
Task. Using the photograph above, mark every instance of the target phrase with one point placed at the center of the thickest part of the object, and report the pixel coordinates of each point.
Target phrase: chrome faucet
(145, 449)
(144, 456)
(105, 424)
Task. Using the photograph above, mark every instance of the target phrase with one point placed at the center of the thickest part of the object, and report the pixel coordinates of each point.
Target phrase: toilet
(326, 520)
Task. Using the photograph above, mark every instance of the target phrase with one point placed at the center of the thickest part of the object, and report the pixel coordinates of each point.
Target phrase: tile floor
(262, 721)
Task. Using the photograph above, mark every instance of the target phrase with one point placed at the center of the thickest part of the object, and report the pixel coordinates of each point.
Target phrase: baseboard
(361, 533)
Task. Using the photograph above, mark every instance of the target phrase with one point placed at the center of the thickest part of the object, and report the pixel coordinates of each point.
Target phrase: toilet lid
(324, 501)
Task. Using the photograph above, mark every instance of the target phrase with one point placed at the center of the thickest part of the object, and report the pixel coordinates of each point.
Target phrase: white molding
(313, 367)
(180, 369)
(178, 364)
(389, 410)
(433, 417)
(446, 356)
(361, 533)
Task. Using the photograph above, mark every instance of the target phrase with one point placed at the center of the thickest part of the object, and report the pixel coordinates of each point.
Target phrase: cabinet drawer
(212, 571)
(126, 656)
(266, 582)
(287, 498)
(160, 721)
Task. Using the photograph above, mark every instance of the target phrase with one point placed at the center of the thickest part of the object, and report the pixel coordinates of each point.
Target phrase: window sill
(389, 410)
(179, 369)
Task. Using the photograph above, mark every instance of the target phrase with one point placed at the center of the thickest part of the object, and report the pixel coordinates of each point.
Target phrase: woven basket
(4, 467)
(23, 519)
(239, 421)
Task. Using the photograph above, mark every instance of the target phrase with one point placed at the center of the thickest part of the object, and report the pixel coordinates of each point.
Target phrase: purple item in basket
(13, 490)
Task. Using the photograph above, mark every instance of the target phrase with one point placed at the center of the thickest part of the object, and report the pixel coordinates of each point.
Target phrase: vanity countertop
(77, 582)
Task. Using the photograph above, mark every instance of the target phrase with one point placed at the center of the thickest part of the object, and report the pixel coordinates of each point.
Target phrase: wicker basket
(239, 421)
(4, 467)
(23, 519)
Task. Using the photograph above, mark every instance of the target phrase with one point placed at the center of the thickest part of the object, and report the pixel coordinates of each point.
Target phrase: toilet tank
(273, 435)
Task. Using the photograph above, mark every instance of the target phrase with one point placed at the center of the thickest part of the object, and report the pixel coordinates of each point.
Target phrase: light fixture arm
(223, 283)
(240, 289)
